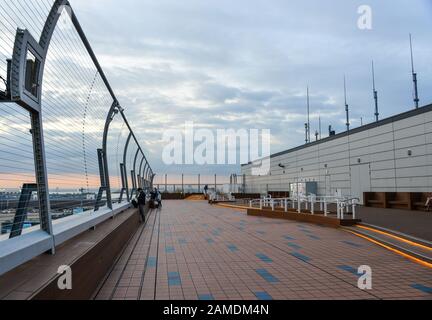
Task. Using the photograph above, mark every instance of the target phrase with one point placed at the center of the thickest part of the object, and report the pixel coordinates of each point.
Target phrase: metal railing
(302, 203)
(69, 158)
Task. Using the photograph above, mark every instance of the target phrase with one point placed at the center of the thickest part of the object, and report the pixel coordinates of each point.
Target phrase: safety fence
(69, 158)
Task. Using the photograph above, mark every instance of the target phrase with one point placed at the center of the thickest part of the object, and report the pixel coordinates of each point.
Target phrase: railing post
(122, 172)
(126, 182)
(299, 204)
(199, 183)
(183, 183)
(354, 210)
(111, 114)
(41, 173)
(102, 176)
(325, 207)
(134, 187)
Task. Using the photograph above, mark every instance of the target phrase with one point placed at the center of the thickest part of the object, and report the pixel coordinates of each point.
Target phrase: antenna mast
(375, 93)
(346, 106)
(308, 117)
(414, 74)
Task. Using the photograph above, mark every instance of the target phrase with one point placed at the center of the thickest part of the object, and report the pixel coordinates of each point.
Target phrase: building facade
(392, 155)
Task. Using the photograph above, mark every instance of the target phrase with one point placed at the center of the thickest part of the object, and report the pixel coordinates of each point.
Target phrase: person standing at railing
(141, 203)
(159, 198)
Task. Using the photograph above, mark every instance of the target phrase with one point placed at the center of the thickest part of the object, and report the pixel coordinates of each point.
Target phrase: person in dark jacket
(141, 203)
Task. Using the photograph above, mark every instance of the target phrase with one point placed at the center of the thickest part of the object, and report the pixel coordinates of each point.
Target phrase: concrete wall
(371, 158)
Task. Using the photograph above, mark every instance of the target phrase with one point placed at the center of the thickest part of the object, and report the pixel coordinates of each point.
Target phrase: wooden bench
(399, 200)
(375, 199)
(279, 194)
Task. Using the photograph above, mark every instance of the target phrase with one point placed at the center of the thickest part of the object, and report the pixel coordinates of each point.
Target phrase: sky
(246, 64)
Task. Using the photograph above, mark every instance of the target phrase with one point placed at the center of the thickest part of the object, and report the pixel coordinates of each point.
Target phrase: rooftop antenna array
(375, 93)
(414, 74)
(346, 106)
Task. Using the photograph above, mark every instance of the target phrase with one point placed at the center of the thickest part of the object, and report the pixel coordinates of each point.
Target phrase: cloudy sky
(246, 64)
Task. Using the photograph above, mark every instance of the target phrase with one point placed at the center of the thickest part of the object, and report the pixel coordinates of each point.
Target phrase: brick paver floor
(191, 250)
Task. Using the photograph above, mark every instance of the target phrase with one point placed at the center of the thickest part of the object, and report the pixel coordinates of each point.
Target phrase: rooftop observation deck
(191, 250)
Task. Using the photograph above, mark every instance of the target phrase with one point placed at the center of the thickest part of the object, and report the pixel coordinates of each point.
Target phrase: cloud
(243, 64)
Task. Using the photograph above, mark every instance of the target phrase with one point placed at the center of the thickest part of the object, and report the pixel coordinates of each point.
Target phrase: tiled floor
(191, 250)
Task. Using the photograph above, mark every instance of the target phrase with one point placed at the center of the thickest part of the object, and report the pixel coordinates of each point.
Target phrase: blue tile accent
(205, 297)
(288, 238)
(264, 258)
(267, 276)
(264, 296)
(314, 237)
(151, 262)
(174, 279)
(352, 244)
(294, 246)
(210, 241)
(169, 249)
(232, 248)
(182, 241)
(349, 269)
(422, 288)
(301, 256)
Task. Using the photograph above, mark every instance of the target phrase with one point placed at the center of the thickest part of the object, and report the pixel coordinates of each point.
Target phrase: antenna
(375, 93)
(320, 129)
(346, 106)
(306, 133)
(308, 110)
(414, 74)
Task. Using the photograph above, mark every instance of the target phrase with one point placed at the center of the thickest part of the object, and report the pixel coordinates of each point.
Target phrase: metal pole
(416, 96)
(183, 183)
(346, 106)
(308, 111)
(375, 93)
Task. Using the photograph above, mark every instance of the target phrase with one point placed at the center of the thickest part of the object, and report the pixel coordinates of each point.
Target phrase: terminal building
(392, 155)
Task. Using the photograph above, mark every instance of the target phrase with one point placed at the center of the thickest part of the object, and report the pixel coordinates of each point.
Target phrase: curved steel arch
(141, 172)
(146, 166)
(126, 185)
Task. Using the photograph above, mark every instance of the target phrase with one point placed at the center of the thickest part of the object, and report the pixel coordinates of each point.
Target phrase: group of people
(140, 201)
